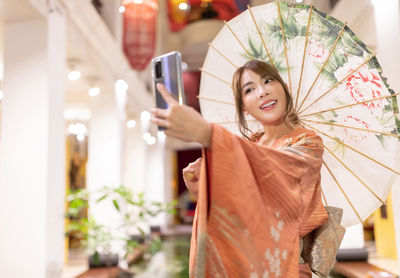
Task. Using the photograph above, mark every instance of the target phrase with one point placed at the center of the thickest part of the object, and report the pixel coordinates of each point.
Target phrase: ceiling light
(77, 128)
(131, 124)
(121, 86)
(94, 91)
(299, 1)
(138, 1)
(145, 116)
(122, 9)
(146, 136)
(80, 137)
(1, 95)
(151, 140)
(81, 128)
(72, 129)
(74, 75)
(183, 6)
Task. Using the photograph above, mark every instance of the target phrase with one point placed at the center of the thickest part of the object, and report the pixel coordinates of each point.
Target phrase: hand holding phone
(167, 69)
(181, 121)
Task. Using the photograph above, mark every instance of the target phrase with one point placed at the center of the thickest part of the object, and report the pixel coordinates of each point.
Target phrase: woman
(257, 198)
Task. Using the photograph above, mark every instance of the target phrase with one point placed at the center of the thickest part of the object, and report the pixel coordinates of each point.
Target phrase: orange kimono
(254, 205)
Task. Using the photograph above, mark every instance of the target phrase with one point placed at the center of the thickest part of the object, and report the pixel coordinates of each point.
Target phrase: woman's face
(263, 97)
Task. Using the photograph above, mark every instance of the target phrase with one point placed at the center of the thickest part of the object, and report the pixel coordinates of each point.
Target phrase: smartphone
(167, 69)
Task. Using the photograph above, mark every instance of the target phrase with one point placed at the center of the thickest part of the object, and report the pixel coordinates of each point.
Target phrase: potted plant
(134, 212)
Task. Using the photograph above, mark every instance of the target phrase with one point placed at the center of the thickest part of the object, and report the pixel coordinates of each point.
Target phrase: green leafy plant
(134, 212)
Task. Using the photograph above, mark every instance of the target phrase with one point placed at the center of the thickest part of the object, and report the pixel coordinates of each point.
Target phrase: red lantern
(201, 9)
(139, 38)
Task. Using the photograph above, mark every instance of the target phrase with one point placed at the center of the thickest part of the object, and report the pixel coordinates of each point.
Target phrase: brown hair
(263, 69)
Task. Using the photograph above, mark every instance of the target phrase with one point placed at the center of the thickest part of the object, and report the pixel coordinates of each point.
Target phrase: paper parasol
(338, 90)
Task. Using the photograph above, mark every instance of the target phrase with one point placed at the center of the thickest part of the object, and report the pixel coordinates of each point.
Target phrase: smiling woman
(241, 227)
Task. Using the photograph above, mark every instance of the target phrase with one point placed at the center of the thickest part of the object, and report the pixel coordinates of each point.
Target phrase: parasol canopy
(338, 90)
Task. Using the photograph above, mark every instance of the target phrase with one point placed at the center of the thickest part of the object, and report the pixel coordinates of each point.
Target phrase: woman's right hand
(191, 176)
(181, 121)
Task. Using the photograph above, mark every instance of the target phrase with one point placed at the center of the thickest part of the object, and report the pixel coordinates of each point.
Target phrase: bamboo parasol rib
(216, 77)
(356, 128)
(237, 38)
(215, 100)
(349, 105)
(354, 175)
(304, 54)
(354, 150)
(284, 45)
(259, 33)
(323, 66)
(337, 83)
(341, 189)
(222, 55)
(324, 197)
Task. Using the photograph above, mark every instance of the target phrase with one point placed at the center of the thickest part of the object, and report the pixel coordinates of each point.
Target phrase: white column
(135, 159)
(158, 177)
(104, 154)
(387, 19)
(32, 160)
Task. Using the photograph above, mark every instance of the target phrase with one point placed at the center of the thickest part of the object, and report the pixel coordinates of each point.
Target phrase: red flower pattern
(363, 84)
(316, 49)
(353, 134)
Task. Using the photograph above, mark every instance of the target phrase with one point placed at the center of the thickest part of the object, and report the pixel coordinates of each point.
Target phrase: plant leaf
(101, 198)
(116, 205)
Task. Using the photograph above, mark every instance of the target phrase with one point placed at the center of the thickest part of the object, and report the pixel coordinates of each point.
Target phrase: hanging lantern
(139, 37)
(182, 12)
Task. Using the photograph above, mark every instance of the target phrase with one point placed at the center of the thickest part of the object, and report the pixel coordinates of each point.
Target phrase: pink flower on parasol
(363, 84)
(352, 134)
(316, 49)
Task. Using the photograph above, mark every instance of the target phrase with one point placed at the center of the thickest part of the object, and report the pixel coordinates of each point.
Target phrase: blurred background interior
(83, 172)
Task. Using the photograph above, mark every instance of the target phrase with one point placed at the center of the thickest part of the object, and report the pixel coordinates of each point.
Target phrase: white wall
(159, 176)
(135, 159)
(113, 18)
(104, 154)
(32, 160)
(387, 20)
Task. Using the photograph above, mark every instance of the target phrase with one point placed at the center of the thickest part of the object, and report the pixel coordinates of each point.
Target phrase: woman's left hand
(181, 121)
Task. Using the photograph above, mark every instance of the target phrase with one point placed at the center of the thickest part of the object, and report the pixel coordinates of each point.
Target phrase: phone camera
(158, 68)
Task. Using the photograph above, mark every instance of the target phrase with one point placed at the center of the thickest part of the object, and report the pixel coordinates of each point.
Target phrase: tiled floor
(172, 260)
(391, 265)
(77, 264)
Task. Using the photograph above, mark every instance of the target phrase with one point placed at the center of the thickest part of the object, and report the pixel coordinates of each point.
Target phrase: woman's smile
(269, 104)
